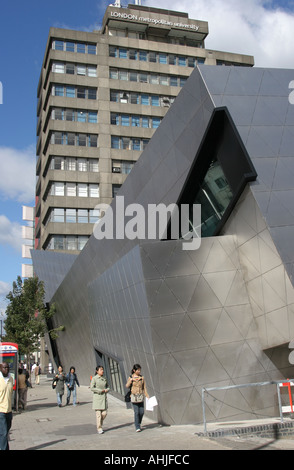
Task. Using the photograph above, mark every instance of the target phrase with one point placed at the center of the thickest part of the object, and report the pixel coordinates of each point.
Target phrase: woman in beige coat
(137, 385)
(99, 387)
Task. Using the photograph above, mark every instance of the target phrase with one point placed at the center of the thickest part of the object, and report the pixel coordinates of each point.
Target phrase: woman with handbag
(137, 385)
(60, 379)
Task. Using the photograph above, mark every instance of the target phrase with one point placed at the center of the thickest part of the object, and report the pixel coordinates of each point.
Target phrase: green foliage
(27, 316)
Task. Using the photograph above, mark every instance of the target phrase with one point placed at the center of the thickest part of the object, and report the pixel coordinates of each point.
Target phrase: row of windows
(70, 91)
(74, 115)
(141, 98)
(74, 69)
(74, 164)
(156, 57)
(67, 242)
(134, 120)
(71, 138)
(128, 143)
(88, 165)
(59, 188)
(145, 77)
(74, 216)
(70, 46)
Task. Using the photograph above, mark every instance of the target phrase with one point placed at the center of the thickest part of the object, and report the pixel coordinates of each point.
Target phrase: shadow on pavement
(46, 444)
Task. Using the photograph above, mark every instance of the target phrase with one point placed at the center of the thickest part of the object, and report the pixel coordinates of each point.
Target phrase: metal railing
(257, 384)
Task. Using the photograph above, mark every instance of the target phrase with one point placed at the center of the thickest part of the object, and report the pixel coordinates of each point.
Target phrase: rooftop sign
(155, 21)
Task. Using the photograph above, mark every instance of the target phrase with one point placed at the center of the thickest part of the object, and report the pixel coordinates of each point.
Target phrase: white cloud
(10, 233)
(5, 288)
(255, 27)
(17, 169)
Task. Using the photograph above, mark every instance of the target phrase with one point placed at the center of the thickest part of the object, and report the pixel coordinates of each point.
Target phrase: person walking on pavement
(99, 387)
(37, 372)
(71, 382)
(6, 392)
(22, 388)
(137, 385)
(60, 379)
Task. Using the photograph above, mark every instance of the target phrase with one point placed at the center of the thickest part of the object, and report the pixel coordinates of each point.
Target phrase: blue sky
(260, 28)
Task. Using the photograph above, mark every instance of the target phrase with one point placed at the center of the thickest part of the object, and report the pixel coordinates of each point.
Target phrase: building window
(71, 242)
(92, 117)
(152, 56)
(57, 163)
(94, 215)
(57, 215)
(115, 142)
(122, 53)
(213, 199)
(122, 166)
(112, 372)
(93, 165)
(115, 189)
(69, 138)
(154, 100)
(74, 189)
(217, 182)
(144, 99)
(67, 242)
(93, 190)
(71, 189)
(69, 46)
(146, 77)
(74, 92)
(162, 58)
(80, 216)
(72, 69)
(132, 54)
(82, 240)
(128, 143)
(70, 216)
(59, 90)
(134, 120)
(70, 92)
(155, 122)
(182, 61)
(115, 376)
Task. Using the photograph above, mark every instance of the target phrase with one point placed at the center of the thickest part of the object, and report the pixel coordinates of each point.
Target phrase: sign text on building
(128, 16)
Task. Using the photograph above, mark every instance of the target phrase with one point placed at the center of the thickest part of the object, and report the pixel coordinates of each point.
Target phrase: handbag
(54, 383)
(128, 394)
(128, 397)
(138, 398)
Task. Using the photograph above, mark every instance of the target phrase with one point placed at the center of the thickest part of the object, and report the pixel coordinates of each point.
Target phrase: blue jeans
(59, 398)
(74, 396)
(5, 425)
(139, 412)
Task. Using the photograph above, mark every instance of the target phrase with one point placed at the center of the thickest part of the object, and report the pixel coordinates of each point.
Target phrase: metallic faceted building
(217, 316)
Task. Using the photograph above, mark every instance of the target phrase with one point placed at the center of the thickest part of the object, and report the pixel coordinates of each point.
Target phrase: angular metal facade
(217, 316)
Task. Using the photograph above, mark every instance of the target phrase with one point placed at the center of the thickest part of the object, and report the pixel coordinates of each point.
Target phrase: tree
(27, 316)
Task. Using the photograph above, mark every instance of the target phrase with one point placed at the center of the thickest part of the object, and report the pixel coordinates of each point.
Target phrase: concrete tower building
(101, 96)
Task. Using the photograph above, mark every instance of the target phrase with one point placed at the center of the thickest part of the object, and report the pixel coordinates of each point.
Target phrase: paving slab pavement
(45, 426)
